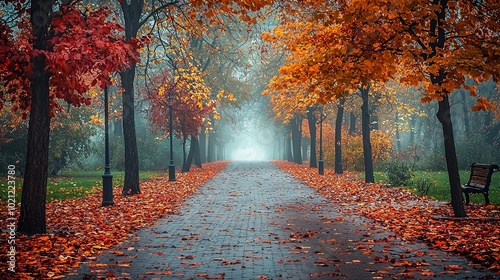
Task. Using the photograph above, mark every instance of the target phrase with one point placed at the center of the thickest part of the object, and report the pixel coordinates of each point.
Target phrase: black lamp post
(107, 177)
(171, 166)
(321, 163)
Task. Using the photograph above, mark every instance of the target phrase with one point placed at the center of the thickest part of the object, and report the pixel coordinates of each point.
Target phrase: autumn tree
(182, 91)
(58, 57)
(290, 96)
(436, 44)
(311, 121)
(339, 169)
(134, 17)
(139, 18)
(329, 69)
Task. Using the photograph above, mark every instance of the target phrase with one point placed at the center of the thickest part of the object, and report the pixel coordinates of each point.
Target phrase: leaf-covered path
(253, 221)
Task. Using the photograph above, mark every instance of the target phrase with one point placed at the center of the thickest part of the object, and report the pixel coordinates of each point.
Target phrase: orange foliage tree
(436, 44)
(352, 152)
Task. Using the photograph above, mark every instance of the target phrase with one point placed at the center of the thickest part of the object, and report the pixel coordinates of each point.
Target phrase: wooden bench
(479, 181)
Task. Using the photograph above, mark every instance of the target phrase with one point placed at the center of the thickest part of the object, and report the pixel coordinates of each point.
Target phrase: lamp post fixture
(107, 177)
(171, 166)
(321, 163)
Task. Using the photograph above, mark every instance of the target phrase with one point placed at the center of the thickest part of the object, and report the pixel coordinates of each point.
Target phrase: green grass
(72, 184)
(440, 188)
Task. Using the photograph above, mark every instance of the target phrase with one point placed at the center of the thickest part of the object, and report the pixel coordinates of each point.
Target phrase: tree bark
(203, 145)
(296, 139)
(186, 163)
(193, 150)
(132, 10)
(288, 147)
(32, 218)
(398, 140)
(365, 127)
(131, 182)
(338, 137)
(444, 117)
(211, 144)
(398, 136)
(304, 145)
(444, 114)
(352, 123)
(211, 147)
(197, 156)
(220, 151)
(184, 155)
(311, 118)
(373, 115)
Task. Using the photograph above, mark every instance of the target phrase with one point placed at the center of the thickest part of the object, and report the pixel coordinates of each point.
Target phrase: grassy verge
(440, 188)
(73, 184)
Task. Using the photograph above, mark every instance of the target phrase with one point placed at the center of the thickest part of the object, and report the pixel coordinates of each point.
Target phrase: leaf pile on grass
(80, 229)
(411, 216)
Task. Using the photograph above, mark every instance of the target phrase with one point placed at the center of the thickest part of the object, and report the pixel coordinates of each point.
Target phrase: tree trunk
(398, 136)
(186, 164)
(285, 138)
(444, 117)
(352, 123)
(365, 127)
(197, 156)
(296, 139)
(398, 140)
(311, 118)
(183, 154)
(220, 151)
(131, 183)
(132, 10)
(203, 145)
(32, 218)
(193, 155)
(304, 149)
(338, 137)
(289, 154)
(56, 167)
(374, 115)
(211, 145)
(444, 113)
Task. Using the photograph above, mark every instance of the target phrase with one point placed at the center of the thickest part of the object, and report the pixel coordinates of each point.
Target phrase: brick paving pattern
(253, 221)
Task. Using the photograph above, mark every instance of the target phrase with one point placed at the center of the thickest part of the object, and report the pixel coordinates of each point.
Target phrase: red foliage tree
(189, 100)
(57, 52)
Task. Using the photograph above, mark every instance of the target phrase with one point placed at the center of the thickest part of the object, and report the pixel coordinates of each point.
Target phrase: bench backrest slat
(480, 175)
(479, 180)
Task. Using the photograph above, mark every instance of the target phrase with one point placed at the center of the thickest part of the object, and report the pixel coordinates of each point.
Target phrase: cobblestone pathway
(253, 221)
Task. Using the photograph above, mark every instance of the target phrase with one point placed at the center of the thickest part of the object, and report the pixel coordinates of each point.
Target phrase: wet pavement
(253, 221)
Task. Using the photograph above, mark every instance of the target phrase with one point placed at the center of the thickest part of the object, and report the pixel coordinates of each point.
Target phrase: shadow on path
(253, 221)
